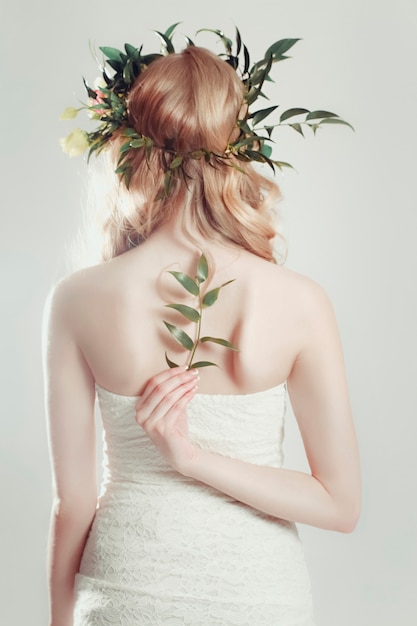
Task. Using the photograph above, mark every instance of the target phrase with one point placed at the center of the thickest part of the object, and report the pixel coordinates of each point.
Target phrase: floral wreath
(107, 104)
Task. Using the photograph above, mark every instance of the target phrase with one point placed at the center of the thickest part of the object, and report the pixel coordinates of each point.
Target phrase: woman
(195, 521)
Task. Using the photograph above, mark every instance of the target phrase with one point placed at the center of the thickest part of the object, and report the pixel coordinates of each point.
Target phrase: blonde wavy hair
(187, 101)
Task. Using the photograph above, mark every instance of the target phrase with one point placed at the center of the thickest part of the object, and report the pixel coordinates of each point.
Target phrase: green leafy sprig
(253, 142)
(207, 299)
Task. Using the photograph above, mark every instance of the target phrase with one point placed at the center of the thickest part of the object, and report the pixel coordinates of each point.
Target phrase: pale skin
(104, 325)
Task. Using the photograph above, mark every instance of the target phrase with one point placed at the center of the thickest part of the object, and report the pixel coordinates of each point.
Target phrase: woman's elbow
(73, 510)
(348, 524)
(347, 517)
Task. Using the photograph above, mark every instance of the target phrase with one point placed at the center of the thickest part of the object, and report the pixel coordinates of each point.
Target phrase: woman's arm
(69, 392)
(329, 497)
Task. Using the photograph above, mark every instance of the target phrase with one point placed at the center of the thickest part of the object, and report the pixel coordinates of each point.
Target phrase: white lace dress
(166, 550)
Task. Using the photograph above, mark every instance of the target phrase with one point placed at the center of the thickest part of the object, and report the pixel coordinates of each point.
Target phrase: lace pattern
(164, 549)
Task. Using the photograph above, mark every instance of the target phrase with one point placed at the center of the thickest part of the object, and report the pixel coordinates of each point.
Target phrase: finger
(161, 399)
(174, 422)
(166, 405)
(161, 386)
(162, 377)
(177, 416)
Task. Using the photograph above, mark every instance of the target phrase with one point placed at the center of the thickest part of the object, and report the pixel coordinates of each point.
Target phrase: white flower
(69, 113)
(75, 143)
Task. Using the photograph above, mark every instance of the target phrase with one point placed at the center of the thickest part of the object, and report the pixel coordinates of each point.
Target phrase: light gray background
(349, 217)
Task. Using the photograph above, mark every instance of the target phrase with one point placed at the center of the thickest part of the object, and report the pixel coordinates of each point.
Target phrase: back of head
(186, 104)
(187, 101)
(180, 141)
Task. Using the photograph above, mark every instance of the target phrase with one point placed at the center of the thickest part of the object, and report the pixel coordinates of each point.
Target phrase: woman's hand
(161, 412)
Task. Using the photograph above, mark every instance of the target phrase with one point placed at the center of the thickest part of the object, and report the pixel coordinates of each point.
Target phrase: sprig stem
(198, 331)
(193, 286)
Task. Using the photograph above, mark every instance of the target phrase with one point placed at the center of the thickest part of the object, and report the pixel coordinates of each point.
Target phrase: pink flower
(99, 99)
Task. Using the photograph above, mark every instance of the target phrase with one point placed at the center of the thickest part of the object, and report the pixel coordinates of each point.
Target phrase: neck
(182, 232)
(174, 241)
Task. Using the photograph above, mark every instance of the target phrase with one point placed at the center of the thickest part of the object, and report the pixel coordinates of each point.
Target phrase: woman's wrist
(190, 465)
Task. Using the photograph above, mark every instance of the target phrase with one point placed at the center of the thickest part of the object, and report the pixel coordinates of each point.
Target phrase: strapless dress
(165, 550)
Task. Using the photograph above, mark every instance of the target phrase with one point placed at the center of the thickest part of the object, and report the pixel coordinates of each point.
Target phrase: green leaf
(222, 342)
(137, 143)
(130, 132)
(232, 61)
(187, 311)
(249, 141)
(244, 126)
(125, 147)
(127, 72)
(114, 99)
(198, 154)
(147, 59)
(99, 107)
(242, 156)
(202, 364)
(259, 75)
(176, 162)
(167, 185)
(262, 114)
(238, 42)
(212, 295)
(247, 60)
(279, 47)
(226, 41)
(131, 50)
(332, 120)
(316, 115)
(170, 30)
(127, 175)
(291, 113)
(180, 336)
(171, 364)
(254, 92)
(298, 128)
(148, 147)
(111, 53)
(187, 282)
(117, 66)
(166, 42)
(266, 150)
(91, 93)
(202, 269)
(94, 148)
(122, 169)
(281, 164)
(254, 155)
(270, 163)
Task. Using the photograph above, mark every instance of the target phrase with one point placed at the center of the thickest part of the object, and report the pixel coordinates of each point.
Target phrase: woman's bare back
(116, 311)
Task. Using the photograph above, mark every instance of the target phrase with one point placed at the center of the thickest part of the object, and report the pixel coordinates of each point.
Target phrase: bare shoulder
(309, 293)
(311, 308)
(310, 301)
(290, 286)
(70, 292)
